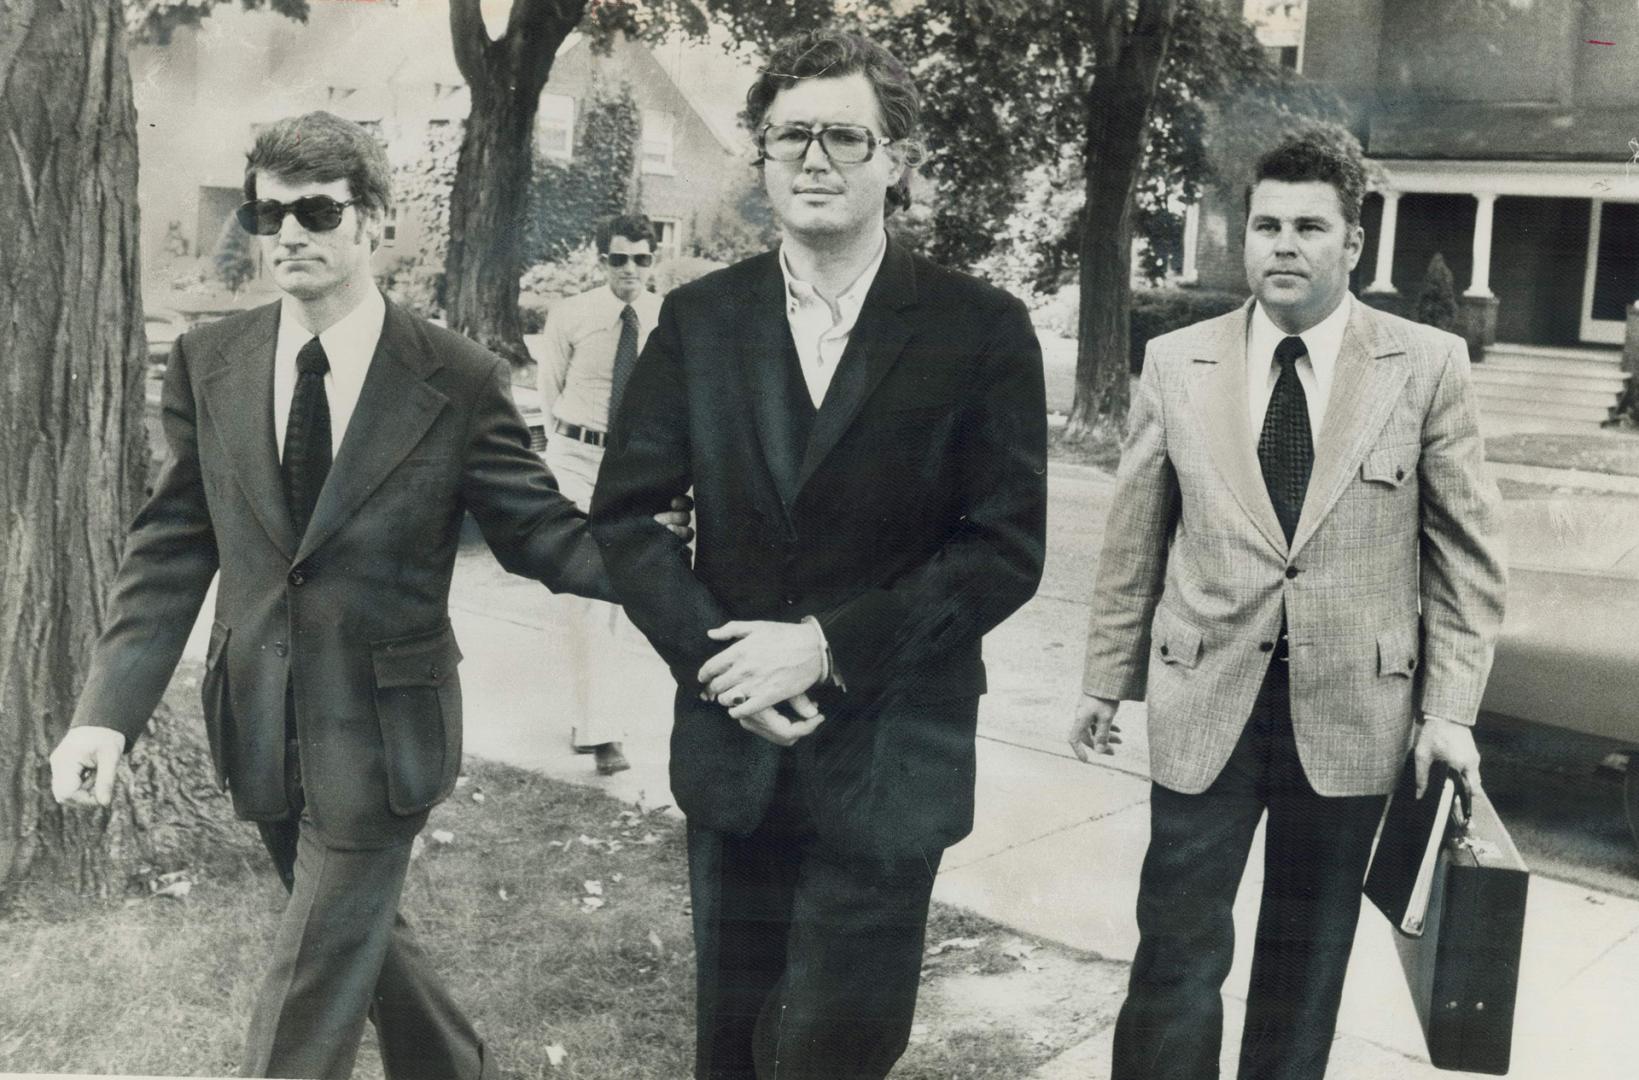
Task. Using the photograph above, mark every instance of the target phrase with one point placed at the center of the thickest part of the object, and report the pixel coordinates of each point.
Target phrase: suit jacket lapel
(394, 410)
(762, 335)
(1218, 393)
(878, 338)
(1365, 387)
(238, 391)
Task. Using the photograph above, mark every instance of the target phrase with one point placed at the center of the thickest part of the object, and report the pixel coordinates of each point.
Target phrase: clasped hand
(768, 664)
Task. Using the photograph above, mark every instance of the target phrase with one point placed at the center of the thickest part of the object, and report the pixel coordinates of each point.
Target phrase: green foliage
(421, 189)
(233, 262)
(155, 20)
(1004, 101)
(568, 198)
(1437, 299)
(1161, 311)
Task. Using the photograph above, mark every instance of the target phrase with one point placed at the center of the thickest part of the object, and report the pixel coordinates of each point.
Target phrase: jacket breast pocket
(418, 705)
(1390, 466)
(213, 698)
(1175, 641)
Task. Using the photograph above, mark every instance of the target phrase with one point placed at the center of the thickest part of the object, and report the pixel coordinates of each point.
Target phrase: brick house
(1503, 135)
(201, 96)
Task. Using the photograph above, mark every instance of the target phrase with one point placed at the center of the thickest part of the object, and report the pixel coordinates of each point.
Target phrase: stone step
(1538, 386)
(1594, 354)
(1549, 365)
(1530, 405)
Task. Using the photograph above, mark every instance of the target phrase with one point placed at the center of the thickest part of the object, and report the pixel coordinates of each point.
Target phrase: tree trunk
(73, 440)
(492, 171)
(71, 431)
(487, 205)
(1119, 105)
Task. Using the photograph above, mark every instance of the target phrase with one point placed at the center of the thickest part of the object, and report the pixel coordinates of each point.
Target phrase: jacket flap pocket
(218, 647)
(1397, 651)
(1389, 465)
(1175, 641)
(424, 660)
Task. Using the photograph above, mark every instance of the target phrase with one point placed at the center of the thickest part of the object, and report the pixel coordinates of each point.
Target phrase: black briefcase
(1463, 969)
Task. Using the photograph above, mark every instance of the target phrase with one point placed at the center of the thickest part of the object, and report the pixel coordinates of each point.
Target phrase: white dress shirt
(1323, 340)
(578, 358)
(821, 328)
(349, 346)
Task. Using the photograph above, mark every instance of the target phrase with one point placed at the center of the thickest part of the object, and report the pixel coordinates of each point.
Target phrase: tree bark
(71, 431)
(492, 173)
(75, 447)
(1120, 103)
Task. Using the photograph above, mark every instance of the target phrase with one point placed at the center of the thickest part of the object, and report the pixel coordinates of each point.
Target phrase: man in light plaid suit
(1301, 562)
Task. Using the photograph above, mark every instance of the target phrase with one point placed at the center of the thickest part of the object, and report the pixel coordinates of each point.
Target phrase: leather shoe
(610, 760)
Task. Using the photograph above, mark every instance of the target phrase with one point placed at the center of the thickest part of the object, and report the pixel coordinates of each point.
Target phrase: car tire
(1630, 796)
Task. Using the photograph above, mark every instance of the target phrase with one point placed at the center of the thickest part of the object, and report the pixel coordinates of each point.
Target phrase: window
(657, 142)
(389, 227)
(666, 235)
(555, 130)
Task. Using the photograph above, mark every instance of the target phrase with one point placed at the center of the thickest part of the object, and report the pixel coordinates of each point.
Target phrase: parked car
(1568, 656)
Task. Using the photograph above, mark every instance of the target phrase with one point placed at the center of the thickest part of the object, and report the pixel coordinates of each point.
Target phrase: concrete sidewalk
(1058, 845)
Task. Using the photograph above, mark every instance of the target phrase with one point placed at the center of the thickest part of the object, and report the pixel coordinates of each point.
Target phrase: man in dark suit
(323, 452)
(865, 432)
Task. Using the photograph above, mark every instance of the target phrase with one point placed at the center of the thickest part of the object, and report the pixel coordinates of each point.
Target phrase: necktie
(625, 360)
(307, 436)
(1286, 449)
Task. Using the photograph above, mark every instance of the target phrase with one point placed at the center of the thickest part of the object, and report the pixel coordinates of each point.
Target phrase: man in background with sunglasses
(591, 346)
(324, 451)
(866, 434)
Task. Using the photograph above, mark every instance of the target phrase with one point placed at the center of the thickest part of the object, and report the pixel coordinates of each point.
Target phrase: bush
(1160, 311)
(1437, 299)
(417, 283)
(680, 271)
(234, 261)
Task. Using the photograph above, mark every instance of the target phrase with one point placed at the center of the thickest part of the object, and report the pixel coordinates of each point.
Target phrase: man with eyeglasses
(866, 434)
(590, 347)
(324, 451)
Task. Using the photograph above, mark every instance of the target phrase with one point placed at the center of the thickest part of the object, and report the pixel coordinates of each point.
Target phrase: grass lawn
(507, 909)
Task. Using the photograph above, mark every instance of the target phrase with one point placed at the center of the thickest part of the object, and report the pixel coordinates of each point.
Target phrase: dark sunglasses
(315, 213)
(617, 260)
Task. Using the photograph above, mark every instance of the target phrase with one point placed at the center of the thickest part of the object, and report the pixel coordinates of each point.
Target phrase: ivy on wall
(568, 198)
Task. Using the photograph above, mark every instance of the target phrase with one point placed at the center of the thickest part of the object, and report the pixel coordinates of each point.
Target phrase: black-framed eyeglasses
(844, 144)
(315, 213)
(617, 259)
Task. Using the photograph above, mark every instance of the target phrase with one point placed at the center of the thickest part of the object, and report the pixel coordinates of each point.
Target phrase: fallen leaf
(656, 944)
(176, 890)
(478, 796)
(555, 1053)
(649, 838)
(443, 836)
(592, 903)
(955, 943)
(1019, 950)
(462, 781)
(503, 894)
(593, 888)
(618, 878)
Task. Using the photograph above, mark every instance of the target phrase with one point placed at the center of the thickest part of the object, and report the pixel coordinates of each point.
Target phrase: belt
(580, 434)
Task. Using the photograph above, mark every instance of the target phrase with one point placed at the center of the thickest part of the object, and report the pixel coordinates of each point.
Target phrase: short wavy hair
(834, 53)
(1321, 154)
(319, 147)
(635, 227)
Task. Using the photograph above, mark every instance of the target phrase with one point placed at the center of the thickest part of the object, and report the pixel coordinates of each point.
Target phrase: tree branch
(535, 30)
(471, 41)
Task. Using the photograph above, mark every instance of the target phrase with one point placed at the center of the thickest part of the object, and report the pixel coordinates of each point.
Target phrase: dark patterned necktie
(307, 436)
(1286, 449)
(625, 360)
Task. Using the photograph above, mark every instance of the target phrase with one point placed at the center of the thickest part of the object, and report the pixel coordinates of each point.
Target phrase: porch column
(1192, 237)
(1480, 283)
(1383, 282)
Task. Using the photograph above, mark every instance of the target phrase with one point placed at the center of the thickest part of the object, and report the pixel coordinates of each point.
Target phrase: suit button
(1412, 664)
(1399, 474)
(790, 601)
(1291, 571)
(298, 578)
(1164, 651)
(1266, 646)
(280, 649)
(432, 671)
